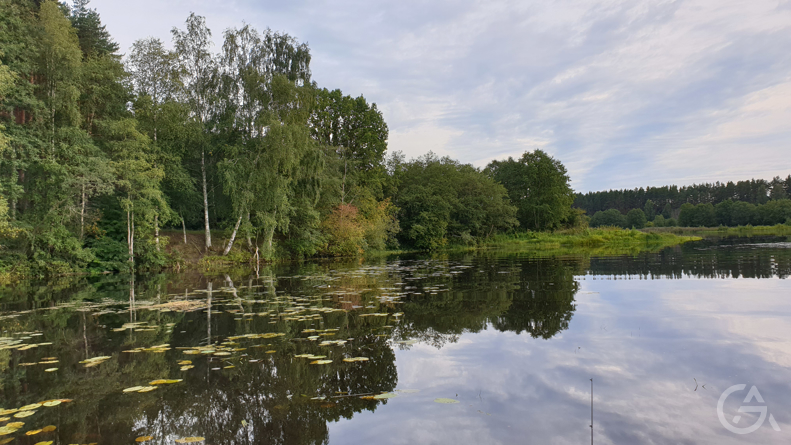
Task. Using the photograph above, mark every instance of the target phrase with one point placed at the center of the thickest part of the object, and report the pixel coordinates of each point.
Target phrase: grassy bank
(603, 241)
(778, 230)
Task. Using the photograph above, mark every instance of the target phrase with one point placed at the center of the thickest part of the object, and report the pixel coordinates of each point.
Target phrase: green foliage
(538, 185)
(442, 200)
(649, 210)
(635, 219)
(355, 133)
(608, 218)
(93, 36)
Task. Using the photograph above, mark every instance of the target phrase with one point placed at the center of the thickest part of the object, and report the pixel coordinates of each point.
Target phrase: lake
(483, 348)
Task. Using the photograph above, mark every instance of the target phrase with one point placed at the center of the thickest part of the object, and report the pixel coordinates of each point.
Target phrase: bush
(636, 219)
(344, 231)
(611, 217)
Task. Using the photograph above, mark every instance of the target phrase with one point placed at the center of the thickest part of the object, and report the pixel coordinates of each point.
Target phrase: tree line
(100, 152)
(754, 191)
(753, 202)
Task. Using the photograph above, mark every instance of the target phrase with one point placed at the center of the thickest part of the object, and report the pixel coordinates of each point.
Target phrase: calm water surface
(514, 340)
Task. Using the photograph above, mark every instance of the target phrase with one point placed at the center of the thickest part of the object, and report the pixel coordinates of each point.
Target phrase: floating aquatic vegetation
(32, 406)
(32, 432)
(144, 438)
(133, 389)
(23, 414)
(48, 442)
(186, 367)
(165, 381)
(50, 369)
(148, 389)
(190, 440)
(446, 401)
(95, 361)
(355, 359)
(321, 362)
(408, 391)
(387, 395)
(51, 403)
(49, 429)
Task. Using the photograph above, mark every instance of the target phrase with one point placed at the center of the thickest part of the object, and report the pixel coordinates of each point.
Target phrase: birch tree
(199, 68)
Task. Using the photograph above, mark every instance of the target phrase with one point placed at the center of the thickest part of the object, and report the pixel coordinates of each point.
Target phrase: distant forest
(755, 201)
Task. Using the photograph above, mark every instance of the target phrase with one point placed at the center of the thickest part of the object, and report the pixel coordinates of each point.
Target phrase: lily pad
(133, 389)
(49, 429)
(50, 369)
(144, 438)
(446, 401)
(30, 407)
(321, 362)
(387, 395)
(191, 440)
(52, 403)
(23, 414)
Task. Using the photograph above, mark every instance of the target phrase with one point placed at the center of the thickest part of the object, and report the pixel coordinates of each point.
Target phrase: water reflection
(472, 328)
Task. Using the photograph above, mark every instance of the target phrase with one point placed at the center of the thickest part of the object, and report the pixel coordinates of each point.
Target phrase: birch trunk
(156, 230)
(205, 199)
(233, 236)
(82, 214)
(129, 234)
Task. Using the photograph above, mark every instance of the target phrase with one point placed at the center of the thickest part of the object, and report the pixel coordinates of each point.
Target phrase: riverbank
(603, 241)
(747, 231)
(191, 256)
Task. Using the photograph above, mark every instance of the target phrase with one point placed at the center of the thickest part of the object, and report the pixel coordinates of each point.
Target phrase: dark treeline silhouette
(754, 191)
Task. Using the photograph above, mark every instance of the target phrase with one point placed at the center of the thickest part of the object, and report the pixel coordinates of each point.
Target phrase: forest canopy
(109, 160)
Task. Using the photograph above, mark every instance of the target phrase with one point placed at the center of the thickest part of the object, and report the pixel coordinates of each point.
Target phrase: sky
(625, 93)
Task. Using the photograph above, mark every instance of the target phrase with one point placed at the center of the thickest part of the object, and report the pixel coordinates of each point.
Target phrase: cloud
(625, 93)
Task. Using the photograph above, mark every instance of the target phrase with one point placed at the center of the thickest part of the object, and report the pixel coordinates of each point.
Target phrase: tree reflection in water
(254, 395)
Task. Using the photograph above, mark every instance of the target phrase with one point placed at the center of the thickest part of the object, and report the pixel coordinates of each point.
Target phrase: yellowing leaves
(165, 381)
(144, 438)
(191, 439)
